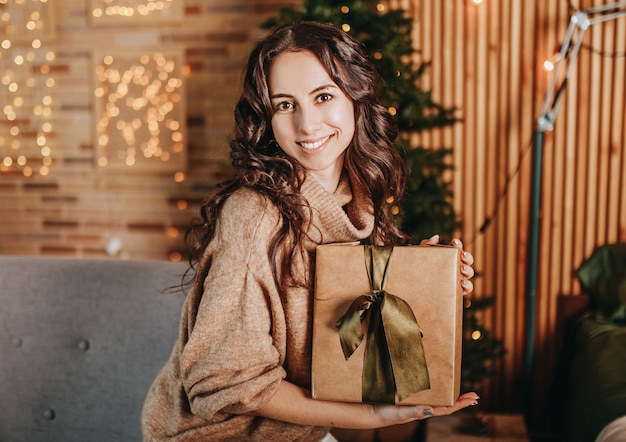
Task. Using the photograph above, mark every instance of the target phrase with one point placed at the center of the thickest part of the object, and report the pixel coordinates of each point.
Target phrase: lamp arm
(607, 17)
(573, 39)
(579, 22)
(604, 8)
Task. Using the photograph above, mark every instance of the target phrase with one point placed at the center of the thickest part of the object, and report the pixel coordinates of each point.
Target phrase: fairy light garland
(130, 8)
(26, 88)
(138, 104)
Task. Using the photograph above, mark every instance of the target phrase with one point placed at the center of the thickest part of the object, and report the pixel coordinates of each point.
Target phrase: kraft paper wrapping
(428, 279)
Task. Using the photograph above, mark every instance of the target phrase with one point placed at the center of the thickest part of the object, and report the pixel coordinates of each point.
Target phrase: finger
(467, 258)
(464, 401)
(425, 413)
(433, 240)
(419, 412)
(457, 243)
(467, 271)
(398, 414)
(467, 286)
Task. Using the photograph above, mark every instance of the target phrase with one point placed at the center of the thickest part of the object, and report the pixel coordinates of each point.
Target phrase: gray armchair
(80, 342)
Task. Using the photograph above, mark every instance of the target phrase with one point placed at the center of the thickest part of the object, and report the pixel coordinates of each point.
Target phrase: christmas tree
(426, 208)
(479, 347)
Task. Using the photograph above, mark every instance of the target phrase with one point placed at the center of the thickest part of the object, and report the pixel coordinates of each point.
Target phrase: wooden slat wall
(487, 61)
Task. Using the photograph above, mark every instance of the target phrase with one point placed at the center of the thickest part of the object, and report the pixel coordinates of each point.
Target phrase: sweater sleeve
(232, 361)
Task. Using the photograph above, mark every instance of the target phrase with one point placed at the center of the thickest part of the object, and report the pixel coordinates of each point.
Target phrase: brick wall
(81, 209)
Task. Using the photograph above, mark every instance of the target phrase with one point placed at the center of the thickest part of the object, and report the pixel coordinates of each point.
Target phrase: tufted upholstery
(80, 342)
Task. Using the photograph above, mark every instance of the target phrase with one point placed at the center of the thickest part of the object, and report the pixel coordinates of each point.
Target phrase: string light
(175, 256)
(25, 88)
(139, 99)
(179, 177)
(131, 8)
(551, 62)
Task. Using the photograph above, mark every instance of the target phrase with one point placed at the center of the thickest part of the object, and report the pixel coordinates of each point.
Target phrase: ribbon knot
(394, 360)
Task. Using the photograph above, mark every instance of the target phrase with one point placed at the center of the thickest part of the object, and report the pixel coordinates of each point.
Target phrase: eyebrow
(314, 91)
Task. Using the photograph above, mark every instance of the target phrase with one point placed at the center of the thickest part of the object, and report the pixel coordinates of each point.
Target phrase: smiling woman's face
(312, 120)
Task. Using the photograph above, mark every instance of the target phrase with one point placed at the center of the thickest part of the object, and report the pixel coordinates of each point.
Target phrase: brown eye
(324, 97)
(284, 106)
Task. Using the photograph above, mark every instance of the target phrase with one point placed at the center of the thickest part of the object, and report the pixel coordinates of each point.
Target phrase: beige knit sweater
(239, 336)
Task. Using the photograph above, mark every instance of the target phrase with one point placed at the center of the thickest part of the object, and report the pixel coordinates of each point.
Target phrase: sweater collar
(345, 215)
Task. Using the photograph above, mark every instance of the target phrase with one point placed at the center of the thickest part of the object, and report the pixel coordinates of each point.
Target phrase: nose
(308, 119)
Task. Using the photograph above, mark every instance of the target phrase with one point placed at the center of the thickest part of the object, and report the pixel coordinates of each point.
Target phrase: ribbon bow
(394, 359)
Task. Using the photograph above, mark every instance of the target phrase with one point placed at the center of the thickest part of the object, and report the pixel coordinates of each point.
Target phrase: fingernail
(464, 254)
(475, 403)
(465, 282)
(435, 236)
(456, 242)
(464, 268)
(428, 412)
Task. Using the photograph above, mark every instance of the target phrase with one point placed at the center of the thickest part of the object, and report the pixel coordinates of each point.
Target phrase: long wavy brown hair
(371, 158)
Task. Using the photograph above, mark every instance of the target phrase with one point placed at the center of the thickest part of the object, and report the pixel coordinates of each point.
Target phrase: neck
(328, 178)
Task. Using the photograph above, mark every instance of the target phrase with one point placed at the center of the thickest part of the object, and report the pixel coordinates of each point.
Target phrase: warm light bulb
(175, 256)
(550, 64)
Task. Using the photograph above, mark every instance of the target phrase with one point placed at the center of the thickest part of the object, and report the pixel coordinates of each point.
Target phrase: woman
(318, 165)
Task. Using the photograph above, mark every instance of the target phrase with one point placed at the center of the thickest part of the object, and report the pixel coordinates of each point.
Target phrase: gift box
(387, 324)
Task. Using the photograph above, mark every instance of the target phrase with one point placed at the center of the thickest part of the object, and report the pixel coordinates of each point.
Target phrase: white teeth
(313, 145)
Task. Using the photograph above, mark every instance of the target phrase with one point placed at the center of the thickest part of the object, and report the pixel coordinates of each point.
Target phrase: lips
(311, 145)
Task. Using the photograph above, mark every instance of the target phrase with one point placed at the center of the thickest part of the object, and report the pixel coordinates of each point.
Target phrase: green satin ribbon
(394, 358)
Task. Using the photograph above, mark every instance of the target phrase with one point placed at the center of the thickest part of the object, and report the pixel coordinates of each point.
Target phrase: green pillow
(603, 277)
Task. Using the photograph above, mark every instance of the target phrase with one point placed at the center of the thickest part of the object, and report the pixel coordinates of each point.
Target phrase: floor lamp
(579, 23)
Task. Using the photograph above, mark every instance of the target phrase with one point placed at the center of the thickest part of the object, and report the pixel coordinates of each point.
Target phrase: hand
(466, 262)
(400, 414)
